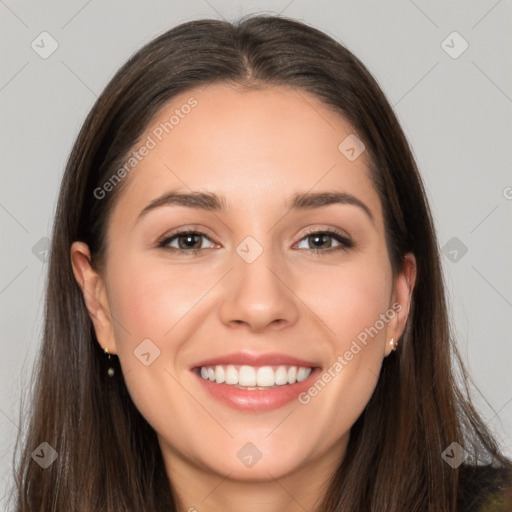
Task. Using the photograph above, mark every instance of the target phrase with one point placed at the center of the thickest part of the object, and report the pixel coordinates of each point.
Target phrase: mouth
(254, 377)
(253, 382)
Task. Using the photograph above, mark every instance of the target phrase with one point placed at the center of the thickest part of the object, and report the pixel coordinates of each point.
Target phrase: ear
(403, 287)
(95, 295)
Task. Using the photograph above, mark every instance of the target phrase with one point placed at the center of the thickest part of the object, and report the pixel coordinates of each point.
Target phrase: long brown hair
(108, 455)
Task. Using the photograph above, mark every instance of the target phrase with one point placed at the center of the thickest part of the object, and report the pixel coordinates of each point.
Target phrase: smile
(253, 378)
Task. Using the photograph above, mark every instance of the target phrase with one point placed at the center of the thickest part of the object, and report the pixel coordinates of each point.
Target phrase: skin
(256, 148)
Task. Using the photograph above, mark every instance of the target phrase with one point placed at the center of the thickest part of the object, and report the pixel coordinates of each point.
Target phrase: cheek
(349, 298)
(351, 302)
(151, 298)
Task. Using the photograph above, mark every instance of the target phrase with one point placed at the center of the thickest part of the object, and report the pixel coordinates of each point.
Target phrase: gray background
(455, 111)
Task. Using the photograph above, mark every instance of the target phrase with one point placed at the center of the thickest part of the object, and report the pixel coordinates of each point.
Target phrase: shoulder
(485, 489)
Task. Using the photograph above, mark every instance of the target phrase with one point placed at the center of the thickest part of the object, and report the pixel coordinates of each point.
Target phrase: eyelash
(345, 243)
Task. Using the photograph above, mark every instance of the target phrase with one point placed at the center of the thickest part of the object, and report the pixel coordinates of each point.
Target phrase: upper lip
(252, 359)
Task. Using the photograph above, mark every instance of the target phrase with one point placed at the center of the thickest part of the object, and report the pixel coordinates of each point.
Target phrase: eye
(322, 241)
(189, 241)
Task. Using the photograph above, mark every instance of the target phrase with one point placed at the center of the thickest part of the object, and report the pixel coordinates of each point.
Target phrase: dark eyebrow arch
(307, 200)
(200, 200)
(209, 201)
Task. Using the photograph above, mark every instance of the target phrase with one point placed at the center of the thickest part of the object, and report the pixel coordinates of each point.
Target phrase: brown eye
(185, 241)
(322, 241)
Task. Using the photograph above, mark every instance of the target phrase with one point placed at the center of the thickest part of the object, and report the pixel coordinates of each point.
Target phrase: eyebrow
(209, 201)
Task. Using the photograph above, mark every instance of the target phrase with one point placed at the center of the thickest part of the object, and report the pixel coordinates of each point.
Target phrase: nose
(258, 295)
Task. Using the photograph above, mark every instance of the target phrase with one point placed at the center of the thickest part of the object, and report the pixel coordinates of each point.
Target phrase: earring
(392, 343)
(110, 370)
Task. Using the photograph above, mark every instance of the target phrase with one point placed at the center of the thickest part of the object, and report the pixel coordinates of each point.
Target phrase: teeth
(231, 374)
(255, 377)
(220, 374)
(265, 376)
(247, 376)
(292, 374)
(302, 374)
(281, 376)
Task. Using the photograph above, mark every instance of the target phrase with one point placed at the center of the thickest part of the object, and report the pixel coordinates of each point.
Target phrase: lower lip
(257, 400)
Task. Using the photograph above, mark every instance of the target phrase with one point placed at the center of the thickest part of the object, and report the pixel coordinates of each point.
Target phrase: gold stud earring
(392, 343)
(110, 370)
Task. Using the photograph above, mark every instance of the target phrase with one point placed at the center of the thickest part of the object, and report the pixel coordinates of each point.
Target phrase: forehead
(253, 146)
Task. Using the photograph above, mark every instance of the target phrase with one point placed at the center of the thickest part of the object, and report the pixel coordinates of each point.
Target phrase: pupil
(188, 238)
(316, 238)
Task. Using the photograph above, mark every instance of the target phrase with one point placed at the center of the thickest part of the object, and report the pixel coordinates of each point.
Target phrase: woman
(245, 306)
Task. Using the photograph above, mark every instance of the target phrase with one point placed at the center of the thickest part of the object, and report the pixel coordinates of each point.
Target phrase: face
(263, 279)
